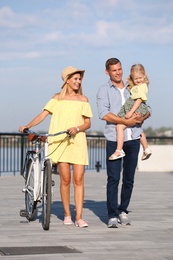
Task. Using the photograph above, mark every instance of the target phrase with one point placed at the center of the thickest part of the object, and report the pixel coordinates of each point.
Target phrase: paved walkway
(149, 237)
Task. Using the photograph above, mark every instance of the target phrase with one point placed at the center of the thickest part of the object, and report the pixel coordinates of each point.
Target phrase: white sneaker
(67, 221)
(124, 220)
(113, 223)
(146, 154)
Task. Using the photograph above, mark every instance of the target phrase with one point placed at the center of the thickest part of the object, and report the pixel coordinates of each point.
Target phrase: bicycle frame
(38, 165)
(38, 179)
(42, 164)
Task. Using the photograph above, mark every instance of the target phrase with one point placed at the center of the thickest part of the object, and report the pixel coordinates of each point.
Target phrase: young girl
(138, 86)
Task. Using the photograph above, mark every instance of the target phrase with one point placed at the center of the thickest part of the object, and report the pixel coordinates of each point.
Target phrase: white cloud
(54, 36)
(76, 22)
(12, 20)
(39, 38)
(30, 55)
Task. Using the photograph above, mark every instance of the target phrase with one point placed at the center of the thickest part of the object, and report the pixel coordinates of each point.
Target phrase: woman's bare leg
(65, 180)
(78, 181)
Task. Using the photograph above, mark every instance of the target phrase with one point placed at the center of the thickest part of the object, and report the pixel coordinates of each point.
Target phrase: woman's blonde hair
(65, 88)
(136, 68)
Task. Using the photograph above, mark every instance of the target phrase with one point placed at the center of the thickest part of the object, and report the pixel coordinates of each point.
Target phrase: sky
(39, 38)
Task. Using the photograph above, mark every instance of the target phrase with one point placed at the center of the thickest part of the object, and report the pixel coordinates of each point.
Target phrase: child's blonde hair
(136, 68)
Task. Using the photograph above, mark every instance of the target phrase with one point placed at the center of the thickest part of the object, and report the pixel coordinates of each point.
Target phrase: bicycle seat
(33, 137)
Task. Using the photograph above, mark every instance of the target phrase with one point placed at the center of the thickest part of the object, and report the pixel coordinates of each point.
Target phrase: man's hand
(135, 119)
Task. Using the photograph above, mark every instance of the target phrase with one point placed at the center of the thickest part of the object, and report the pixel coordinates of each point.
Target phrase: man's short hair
(111, 61)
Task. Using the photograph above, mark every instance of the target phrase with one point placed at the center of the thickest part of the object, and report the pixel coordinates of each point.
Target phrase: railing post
(98, 166)
(22, 151)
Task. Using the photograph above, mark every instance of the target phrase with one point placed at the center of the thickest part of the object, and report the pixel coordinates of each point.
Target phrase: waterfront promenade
(150, 237)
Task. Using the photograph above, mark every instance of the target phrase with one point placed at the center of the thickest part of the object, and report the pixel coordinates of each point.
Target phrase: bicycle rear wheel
(31, 205)
(47, 195)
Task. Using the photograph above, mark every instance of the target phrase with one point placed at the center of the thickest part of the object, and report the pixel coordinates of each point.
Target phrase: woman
(69, 110)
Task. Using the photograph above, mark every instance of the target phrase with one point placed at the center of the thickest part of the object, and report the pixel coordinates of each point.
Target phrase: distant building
(169, 132)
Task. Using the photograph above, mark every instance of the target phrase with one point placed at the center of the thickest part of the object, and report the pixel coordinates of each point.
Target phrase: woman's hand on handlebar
(72, 130)
(21, 128)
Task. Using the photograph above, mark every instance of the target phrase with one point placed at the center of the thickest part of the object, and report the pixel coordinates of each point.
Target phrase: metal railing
(13, 147)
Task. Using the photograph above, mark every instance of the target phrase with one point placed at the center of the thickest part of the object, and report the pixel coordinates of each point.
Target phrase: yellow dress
(66, 114)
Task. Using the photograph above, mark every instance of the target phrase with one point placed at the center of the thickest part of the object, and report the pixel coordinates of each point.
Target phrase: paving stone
(149, 237)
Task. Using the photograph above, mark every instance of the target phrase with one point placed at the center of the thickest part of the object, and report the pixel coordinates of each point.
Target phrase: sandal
(146, 154)
(115, 157)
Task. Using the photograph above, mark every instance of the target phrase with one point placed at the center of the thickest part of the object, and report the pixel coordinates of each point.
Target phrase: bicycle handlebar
(27, 131)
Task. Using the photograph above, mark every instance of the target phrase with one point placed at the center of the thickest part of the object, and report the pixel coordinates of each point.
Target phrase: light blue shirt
(109, 100)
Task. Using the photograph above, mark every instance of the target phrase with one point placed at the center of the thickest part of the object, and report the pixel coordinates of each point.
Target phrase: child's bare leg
(146, 150)
(120, 137)
(143, 140)
(120, 141)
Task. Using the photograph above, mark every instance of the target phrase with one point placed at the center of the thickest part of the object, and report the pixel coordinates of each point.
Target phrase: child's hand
(138, 117)
(128, 115)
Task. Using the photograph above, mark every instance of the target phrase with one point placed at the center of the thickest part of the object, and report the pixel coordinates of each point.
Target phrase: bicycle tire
(31, 205)
(47, 195)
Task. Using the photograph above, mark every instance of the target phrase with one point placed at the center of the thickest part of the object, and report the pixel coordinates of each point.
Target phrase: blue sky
(39, 38)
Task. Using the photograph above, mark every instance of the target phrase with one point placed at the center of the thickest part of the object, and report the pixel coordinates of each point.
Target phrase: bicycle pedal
(24, 213)
(53, 183)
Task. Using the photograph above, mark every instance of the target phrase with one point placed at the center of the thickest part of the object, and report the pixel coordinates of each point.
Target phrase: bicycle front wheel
(47, 195)
(31, 205)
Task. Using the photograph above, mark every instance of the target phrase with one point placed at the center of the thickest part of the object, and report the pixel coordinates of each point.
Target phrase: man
(110, 97)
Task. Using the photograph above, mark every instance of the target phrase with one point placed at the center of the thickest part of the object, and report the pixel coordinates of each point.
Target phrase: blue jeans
(128, 166)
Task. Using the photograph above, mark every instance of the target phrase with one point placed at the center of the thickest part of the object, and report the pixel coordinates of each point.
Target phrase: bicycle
(37, 173)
